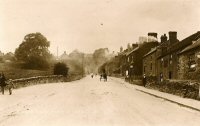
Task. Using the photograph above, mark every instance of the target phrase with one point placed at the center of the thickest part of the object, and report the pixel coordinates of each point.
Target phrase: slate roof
(182, 44)
(132, 51)
(193, 46)
(153, 50)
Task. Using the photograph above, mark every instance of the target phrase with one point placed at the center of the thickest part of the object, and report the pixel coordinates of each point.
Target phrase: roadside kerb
(172, 101)
(187, 103)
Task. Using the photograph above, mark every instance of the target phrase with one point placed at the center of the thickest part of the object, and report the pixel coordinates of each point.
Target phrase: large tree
(33, 51)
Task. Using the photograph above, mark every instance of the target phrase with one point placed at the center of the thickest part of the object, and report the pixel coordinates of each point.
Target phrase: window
(161, 62)
(165, 63)
(192, 63)
(144, 68)
(151, 66)
(170, 74)
(170, 60)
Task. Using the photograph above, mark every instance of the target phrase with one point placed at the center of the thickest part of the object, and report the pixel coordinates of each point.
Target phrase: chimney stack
(163, 38)
(121, 49)
(152, 34)
(172, 37)
(134, 46)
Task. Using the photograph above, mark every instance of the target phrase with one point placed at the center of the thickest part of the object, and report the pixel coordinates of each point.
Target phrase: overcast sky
(90, 24)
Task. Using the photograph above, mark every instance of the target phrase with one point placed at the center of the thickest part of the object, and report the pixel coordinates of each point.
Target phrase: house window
(192, 63)
(161, 62)
(128, 59)
(144, 68)
(170, 60)
(165, 63)
(170, 74)
(151, 66)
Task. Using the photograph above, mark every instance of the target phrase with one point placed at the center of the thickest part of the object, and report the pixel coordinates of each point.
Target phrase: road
(89, 102)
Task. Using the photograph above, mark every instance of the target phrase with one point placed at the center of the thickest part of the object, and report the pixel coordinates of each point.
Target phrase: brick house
(167, 59)
(123, 59)
(150, 63)
(163, 61)
(135, 59)
(189, 62)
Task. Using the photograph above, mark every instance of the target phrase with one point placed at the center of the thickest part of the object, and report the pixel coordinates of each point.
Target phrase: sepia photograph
(99, 63)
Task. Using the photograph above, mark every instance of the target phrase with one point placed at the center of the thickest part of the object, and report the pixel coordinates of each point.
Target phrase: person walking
(10, 86)
(3, 83)
(144, 80)
(105, 76)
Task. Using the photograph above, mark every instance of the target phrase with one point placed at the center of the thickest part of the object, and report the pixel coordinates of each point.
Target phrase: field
(14, 71)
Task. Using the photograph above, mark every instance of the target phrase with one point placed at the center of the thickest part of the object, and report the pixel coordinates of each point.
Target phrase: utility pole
(57, 52)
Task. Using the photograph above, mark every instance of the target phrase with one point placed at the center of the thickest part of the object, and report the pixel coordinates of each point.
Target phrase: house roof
(183, 43)
(150, 52)
(186, 42)
(193, 46)
(132, 51)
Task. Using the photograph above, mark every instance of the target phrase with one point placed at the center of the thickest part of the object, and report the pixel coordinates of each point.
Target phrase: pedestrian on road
(10, 86)
(144, 80)
(105, 76)
(101, 76)
(2, 83)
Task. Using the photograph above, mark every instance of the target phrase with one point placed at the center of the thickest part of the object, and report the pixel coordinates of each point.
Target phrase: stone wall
(184, 72)
(183, 88)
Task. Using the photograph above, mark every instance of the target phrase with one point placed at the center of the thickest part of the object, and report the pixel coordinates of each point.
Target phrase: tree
(33, 51)
(100, 56)
(61, 69)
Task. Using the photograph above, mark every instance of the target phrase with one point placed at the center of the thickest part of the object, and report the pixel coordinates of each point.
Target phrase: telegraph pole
(57, 52)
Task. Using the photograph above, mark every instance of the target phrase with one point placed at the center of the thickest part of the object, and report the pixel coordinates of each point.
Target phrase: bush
(61, 69)
(181, 88)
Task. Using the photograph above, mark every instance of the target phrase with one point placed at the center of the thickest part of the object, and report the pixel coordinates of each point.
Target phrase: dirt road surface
(89, 102)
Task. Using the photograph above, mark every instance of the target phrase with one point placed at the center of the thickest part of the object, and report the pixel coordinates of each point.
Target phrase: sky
(87, 25)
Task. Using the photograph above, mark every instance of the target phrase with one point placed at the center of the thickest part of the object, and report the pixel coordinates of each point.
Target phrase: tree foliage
(61, 69)
(33, 51)
(100, 56)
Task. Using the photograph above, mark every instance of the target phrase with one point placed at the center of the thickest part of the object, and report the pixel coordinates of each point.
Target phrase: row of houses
(167, 58)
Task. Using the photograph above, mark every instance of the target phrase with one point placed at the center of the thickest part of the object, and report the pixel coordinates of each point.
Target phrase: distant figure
(144, 80)
(10, 86)
(2, 83)
(92, 75)
(105, 76)
(101, 76)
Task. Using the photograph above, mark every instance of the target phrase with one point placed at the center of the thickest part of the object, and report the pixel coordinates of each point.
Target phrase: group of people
(4, 83)
(103, 76)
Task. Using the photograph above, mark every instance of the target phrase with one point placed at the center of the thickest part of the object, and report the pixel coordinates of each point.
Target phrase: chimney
(134, 46)
(121, 49)
(152, 34)
(172, 37)
(163, 38)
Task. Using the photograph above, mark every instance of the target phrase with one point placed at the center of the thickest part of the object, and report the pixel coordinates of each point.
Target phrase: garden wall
(183, 88)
